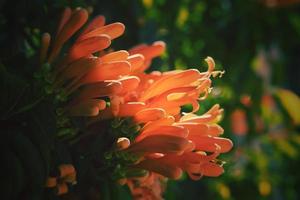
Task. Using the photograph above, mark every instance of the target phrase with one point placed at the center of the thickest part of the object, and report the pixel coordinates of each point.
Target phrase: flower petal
(159, 144)
(88, 46)
(90, 107)
(210, 116)
(78, 18)
(164, 169)
(149, 114)
(76, 70)
(129, 83)
(164, 84)
(107, 71)
(121, 55)
(112, 30)
(178, 131)
(64, 18)
(197, 129)
(151, 51)
(130, 109)
(136, 61)
(97, 22)
(44, 46)
(99, 89)
(210, 144)
(211, 169)
(168, 120)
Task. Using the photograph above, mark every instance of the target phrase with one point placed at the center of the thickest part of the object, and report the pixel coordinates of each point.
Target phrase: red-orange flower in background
(279, 3)
(107, 86)
(239, 124)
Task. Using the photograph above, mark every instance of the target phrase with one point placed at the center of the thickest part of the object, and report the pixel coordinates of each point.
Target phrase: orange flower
(187, 140)
(167, 91)
(94, 74)
(114, 85)
(170, 142)
(148, 52)
(82, 75)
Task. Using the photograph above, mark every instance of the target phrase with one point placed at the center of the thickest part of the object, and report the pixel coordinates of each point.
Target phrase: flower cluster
(101, 84)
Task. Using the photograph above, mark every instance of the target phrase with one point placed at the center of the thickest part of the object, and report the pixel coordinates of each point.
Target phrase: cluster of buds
(64, 175)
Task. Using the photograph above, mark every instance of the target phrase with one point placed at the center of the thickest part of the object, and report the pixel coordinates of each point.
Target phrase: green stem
(27, 107)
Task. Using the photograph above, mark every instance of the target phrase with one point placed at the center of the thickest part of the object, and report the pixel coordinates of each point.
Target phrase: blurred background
(256, 42)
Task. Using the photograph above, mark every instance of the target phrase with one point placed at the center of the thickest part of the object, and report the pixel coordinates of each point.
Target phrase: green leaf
(291, 102)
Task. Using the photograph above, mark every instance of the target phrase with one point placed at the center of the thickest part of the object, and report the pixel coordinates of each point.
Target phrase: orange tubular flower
(82, 75)
(188, 140)
(148, 53)
(114, 85)
(169, 142)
